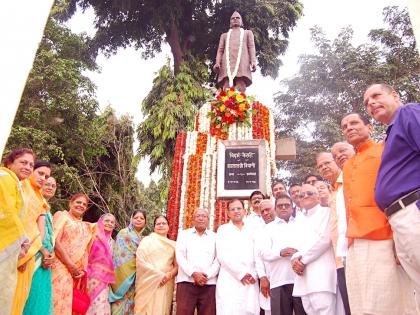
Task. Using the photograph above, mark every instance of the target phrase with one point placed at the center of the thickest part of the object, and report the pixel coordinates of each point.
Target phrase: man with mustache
(371, 264)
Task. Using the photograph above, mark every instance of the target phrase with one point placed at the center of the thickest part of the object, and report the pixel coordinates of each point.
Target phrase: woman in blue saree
(122, 294)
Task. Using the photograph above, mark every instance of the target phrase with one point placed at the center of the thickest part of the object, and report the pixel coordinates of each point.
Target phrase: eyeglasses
(236, 209)
(303, 194)
(284, 205)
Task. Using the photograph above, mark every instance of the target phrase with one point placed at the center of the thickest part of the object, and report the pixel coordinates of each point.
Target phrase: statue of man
(235, 56)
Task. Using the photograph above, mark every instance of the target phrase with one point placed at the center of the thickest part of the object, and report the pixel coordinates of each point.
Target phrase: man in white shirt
(314, 262)
(254, 217)
(276, 255)
(197, 267)
(261, 239)
(236, 288)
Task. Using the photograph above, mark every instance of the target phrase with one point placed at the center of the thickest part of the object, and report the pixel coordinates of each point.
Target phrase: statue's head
(235, 20)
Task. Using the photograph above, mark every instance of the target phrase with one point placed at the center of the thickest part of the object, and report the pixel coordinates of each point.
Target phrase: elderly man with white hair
(314, 262)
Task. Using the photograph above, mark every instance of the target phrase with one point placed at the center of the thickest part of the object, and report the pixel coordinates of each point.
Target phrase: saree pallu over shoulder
(12, 232)
(121, 294)
(40, 296)
(35, 205)
(155, 256)
(75, 236)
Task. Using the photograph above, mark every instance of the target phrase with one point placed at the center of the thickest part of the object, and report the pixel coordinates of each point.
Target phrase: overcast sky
(125, 78)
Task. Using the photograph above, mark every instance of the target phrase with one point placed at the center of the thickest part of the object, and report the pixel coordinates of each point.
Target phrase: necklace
(232, 75)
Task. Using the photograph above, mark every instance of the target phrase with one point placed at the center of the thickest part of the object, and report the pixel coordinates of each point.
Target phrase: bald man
(341, 152)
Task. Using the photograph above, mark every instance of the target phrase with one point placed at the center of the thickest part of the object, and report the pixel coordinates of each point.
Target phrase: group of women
(131, 275)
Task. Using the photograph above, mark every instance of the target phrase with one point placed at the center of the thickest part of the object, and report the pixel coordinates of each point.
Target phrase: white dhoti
(232, 297)
(375, 283)
(406, 227)
(319, 303)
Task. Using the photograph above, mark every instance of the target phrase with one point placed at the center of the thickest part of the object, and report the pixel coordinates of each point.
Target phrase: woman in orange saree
(156, 270)
(72, 239)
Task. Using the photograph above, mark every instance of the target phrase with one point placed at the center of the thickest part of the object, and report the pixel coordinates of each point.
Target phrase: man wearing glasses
(276, 253)
(314, 263)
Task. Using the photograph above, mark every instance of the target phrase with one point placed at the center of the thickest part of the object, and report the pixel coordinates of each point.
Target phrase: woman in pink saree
(101, 267)
(72, 240)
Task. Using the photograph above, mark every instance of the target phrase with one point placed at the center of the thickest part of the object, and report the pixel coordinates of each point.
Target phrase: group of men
(343, 243)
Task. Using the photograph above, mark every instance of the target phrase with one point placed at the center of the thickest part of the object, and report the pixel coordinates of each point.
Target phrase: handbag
(81, 299)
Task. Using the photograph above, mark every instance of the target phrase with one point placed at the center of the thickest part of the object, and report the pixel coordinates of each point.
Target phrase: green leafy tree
(58, 117)
(192, 30)
(331, 83)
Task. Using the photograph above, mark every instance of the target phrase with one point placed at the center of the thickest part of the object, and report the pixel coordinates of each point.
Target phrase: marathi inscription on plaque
(241, 168)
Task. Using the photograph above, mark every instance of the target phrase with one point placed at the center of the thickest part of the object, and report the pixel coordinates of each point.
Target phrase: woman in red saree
(101, 267)
(72, 239)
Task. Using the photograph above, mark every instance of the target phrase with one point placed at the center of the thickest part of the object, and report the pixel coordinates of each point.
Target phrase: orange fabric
(365, 219)
(76, 236)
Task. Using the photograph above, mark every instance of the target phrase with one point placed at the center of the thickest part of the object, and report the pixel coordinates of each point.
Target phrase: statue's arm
(220, 51)
(251, 50)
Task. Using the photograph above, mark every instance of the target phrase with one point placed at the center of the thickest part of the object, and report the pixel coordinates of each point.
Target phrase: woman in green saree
(40, 296)
(122, 294)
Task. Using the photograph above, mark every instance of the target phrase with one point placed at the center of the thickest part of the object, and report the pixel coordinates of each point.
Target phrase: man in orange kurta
(376, 283)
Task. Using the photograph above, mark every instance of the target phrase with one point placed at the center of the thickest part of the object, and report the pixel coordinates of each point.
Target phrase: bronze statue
(235, 56)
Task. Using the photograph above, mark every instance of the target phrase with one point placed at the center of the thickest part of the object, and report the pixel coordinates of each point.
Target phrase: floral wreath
(231, 106)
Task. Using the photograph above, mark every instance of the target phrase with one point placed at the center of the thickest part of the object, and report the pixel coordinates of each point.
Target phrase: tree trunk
(174, 43)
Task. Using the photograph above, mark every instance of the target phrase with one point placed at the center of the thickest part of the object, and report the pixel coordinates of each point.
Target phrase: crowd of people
(341, 242)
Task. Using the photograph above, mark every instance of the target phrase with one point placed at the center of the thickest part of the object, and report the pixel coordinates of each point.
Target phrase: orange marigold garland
(176, 185)
(193, 188)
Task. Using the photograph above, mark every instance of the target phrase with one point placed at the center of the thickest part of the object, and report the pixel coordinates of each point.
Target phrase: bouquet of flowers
(231, 106)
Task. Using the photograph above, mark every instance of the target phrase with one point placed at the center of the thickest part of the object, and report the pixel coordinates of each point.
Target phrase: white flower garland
(232, 75)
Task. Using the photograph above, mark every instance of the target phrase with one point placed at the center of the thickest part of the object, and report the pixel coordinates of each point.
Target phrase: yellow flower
(230, 93)
(239, 98)
(225, 98)
(242, 106)
(222, 108)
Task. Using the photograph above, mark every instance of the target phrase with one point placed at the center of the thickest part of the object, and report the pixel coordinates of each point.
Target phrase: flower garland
(230, 108)
(232, 75)
(176, 185)
(194, 179)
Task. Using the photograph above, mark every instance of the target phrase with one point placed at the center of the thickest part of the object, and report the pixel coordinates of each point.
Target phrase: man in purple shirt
(397, 190)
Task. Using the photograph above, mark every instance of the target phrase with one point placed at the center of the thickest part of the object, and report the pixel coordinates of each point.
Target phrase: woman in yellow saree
(72, 239)
(35, 210)
(156, 270)
(14, 243)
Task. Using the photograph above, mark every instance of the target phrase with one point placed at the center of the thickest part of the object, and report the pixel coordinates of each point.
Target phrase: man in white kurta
(261, 241)
(276, 255)
(236, 287)
(314, 262)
